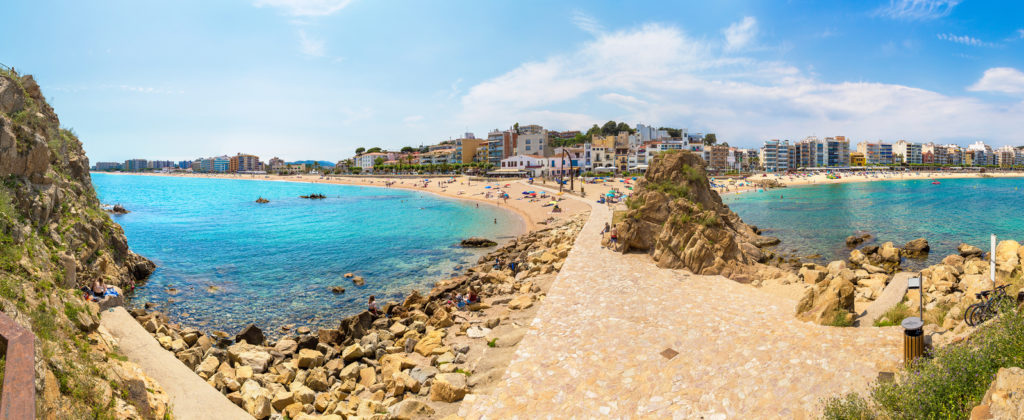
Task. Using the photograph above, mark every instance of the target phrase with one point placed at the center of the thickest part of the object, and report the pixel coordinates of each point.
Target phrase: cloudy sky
(314, 79)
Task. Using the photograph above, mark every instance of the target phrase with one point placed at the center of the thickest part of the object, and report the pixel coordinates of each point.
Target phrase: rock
(448, 387)
(429, 342)
(423, 373)
(282, 399)
(304, 395)
(410, 409)
(328, 336)
(250, 334)
(873, 269)
(477, 331)
(820, 304)
(1007, 259)
(968, 251)
(441, 319)
(857, 258)
(367, 376)
(317, 379)
(521, 302)
(308, 358)
(259, 361)
(1004, 398)
(358, 281)
(353, 352)
(286, 346)
(256, 400)
(337, 290)
(854, 240)
(208, 367)
(835, 267)
(811, 276)
(477, 242)
(889, 253)
(916, 248)
(306, 342)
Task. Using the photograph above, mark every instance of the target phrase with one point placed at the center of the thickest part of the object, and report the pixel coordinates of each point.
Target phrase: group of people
(461, 300)
(613, 232)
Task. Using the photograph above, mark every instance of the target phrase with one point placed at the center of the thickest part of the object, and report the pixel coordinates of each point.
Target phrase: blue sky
(314, 79)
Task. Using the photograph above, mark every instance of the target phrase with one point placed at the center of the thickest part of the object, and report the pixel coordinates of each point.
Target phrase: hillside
(54, 238)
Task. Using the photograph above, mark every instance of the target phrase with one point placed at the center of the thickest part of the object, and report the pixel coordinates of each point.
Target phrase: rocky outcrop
(676, 217)
(1004, 398)
(916, 248)
(477, 242)
(54, 238)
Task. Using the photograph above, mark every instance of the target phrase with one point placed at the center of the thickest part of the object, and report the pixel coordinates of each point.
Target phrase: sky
(315, 79)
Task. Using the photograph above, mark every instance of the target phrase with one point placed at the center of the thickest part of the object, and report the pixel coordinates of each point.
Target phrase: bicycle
(989, 307)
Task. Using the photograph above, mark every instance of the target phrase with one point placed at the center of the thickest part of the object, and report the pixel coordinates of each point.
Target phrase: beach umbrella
(553, 202)
(610, 195)
(487, 187)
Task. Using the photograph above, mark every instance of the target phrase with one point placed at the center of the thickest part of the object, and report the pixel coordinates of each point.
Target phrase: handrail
(19, 390)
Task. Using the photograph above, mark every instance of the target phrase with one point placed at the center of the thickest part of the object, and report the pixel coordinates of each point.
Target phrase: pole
(992, 262)
(921, 295)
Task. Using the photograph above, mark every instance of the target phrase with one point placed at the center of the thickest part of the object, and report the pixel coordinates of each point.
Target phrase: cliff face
(676, 217)
(54, 238)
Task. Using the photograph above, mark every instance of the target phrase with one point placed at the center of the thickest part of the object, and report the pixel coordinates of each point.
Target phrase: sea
(225, 261)
(814, 220)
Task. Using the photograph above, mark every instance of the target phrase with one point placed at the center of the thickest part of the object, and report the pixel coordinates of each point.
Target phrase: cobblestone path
(618, 337)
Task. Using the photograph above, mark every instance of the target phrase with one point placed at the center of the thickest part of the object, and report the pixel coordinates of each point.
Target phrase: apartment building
(775, 155)
(135, 165)
(500, 145)
(876, 153)
(466, 148)
(244, 163)
(533, 140)
(907, 152)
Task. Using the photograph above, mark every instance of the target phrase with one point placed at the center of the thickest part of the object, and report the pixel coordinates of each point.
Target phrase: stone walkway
(618, 337)
(191, 397)
(890, 296)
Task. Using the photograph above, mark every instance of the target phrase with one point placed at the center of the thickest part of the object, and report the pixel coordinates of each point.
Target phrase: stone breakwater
(421, 359)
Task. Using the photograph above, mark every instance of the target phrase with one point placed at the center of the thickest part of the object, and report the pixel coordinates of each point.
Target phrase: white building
(908, 152)
(532, 140)
(532, 164)
(775, 155)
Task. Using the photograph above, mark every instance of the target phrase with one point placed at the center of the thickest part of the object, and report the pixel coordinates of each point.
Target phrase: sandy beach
(535, 212)
(731, 186)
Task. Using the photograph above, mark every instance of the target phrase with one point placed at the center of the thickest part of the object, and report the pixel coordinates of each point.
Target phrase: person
(512, 267)
(371, 306)
(607, 228)
(497, 263)
(615, 235)
(473, 298)
(460, 301)
(495, 220)
(98, 288)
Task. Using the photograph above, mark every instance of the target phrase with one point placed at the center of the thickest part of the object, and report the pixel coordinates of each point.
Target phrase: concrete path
(618, 337)
(191, 397)
(892, 294)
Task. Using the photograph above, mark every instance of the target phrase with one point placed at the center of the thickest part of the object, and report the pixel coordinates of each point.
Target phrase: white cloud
(965, 40)
(311, 46)
(917, 9)
(306, 7)
(586, 23)
(739, 34)
(658, 74)
(1000, 79)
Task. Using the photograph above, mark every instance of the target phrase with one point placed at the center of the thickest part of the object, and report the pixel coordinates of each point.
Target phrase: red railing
(19, 390)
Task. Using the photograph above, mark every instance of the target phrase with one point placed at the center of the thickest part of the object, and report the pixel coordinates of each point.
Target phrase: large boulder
(1007, 259)
(969, 251)
(449, 387)
(889, 253)
(681, 222)
(250, 334)
(820, 304)
(477, 242)
(916, 248)
(1004, 398)
(410, 409)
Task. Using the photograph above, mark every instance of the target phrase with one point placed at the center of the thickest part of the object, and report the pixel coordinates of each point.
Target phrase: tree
(408, 149)
(608, 128)
(378, 161)
(373, 150)
(623, 127)
(515, 128)
(360, 150)
(672, 132)
(595, 130)
(710, 139)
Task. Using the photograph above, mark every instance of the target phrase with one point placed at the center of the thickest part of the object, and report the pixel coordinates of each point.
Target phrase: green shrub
(634, 203)
(708, 220)
(692, 174)
(895, 315)
(950, 383)
(850, 407)
(672, 189)
(841, 319)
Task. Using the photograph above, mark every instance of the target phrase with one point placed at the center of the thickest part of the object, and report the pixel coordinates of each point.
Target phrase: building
(775, 155)
(367, 160)
(717, 157)
(107, 166)
(907, 152)
(954, 154)
(646, 134)
(857, 159)
(531, 164)
(937, 153)
(876, 153)
(564, 160)
(275, 164)
(466, 149)
(135, 165)
(532, 140)
(243, 163)
(160, 164)
(981, 154)
(1006, 156)
(184, 164)
(221, 163)
(500, 145)
(598, 159)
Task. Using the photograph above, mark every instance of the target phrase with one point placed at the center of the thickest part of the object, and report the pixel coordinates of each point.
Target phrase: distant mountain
(323, 163)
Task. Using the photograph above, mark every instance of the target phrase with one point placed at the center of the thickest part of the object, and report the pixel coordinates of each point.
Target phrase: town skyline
(323, 78)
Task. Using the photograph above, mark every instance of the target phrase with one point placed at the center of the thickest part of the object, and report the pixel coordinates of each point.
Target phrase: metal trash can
(913, 339)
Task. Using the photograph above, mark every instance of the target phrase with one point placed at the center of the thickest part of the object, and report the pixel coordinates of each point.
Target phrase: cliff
(54, 238)
(676, 217)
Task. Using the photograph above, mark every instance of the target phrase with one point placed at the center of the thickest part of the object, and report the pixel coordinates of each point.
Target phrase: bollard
(913, 339)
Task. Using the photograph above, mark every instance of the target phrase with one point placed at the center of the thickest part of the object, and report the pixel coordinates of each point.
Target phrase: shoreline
(821, 179)
(532, 217)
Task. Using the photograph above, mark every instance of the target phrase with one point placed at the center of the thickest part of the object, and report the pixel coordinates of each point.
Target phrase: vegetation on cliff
(54, 238)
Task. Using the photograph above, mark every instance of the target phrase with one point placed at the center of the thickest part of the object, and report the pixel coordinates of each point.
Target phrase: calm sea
(816, 219)
(273, 263)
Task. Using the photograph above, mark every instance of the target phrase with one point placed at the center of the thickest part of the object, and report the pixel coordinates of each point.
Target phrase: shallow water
(224, 261)
(816, 219)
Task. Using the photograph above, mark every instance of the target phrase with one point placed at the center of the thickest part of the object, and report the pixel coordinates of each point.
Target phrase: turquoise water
(816, 219)
(272, 263)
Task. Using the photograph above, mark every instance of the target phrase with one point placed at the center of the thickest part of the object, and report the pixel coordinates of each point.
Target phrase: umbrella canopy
(488, 186)
(553, 202)
(610, 195)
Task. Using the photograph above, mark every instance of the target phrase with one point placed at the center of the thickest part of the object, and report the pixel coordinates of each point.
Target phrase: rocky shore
(421, 359)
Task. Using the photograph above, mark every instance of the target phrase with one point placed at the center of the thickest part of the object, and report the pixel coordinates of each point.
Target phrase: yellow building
(858, 159)
(466, 149)
(243, 163)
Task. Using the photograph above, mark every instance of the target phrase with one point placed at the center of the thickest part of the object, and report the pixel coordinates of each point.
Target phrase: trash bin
(913, 339)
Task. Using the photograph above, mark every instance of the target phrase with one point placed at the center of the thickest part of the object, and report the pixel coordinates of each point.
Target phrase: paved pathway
(890, 296)
(191, 397)
(618, 337)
